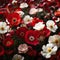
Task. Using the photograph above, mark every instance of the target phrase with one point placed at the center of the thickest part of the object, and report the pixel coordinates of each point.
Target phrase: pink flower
(22, 48)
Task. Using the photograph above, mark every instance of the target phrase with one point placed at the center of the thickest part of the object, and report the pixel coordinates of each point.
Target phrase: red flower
(8, 42)
(9, 52)
(14, 19)
(36, 20)
(31, 37)
(31, 52)
(45, 32)
(1, 51)
(21, 32)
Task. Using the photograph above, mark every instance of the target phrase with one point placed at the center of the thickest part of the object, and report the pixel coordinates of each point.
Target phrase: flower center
(31, 38)
(49, 49)
(8, 43)
(22, 34)
(56, 41)
(14, 19)
(2, 28)
(51, 26)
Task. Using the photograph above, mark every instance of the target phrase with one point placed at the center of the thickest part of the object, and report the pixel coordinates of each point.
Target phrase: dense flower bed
(29, 29)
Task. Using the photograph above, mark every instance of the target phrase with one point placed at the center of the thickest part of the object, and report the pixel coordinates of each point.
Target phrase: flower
(3, 27)
(39, 26)
(55, 39)
(33, 11)
(8, 42)
(22, 48)
(17, 57)
(48, 50)
(1, 50)
(51, 25)
(30, 51)
(31, 37)
(20, 32)
(23, 5)
(27, 19)
(14, 19)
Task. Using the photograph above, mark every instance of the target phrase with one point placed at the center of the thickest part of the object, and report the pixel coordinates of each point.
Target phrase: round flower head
(17, 57)
(22, 48)
(48, 50)
(55, 39)
(31, 37)
(3, 28)
(23, 5)
(14, 19)
(27, 19)
(51, 25)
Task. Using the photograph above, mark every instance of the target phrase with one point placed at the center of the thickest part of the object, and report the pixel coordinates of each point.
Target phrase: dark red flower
(14, 19)
(31, 37)
(20, 32)
(45, 32)
(9, 52)
(8, 42)
(1, 51)
(31, 51)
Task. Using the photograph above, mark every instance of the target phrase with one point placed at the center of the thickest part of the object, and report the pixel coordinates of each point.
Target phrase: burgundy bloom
(8, 42)
(31, 51)
(31, 37)
(14, 19)
(1, 51)
(20, 32)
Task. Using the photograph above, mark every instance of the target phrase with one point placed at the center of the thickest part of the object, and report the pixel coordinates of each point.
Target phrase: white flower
(40, 9)
(21, 13)
(23, 5)
(14, 1)
(3, 27)
(27, 19)
(51, 25)
(17, 57)
(33, 11)
(55, 39)
(48, 50)
(39, 26)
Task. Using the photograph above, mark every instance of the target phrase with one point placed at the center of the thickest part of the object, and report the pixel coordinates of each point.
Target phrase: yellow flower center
(49, 49)
(2, 28)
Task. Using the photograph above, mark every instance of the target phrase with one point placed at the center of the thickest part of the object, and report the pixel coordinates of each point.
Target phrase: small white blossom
(27, 19)
(39, 26)
(33, 11)
(48, 50)
(23, 5)
(21, 13)
(17, 57)
(55, 39)
(3, 27)
(40, 9)
(51, 25)
(14, 1)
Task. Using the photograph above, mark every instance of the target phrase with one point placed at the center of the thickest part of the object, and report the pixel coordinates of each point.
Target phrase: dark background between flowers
(18, 41)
